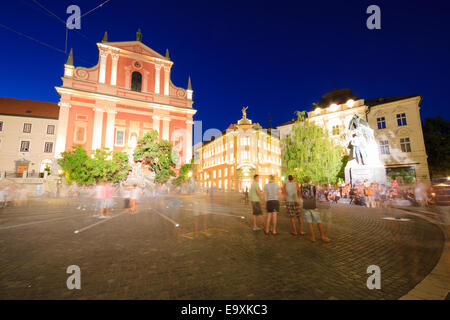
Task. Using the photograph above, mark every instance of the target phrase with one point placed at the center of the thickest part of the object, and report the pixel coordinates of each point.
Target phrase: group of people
(374, 195)
(104, 195)
(301, 203)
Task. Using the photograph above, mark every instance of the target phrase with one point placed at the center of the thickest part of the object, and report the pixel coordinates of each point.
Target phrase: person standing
(133, 198)
(255, 199)
(272, 195)
(311, 213)
(292, 195)
(370, 196)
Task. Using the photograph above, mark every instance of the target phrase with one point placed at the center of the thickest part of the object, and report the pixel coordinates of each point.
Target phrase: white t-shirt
(271, 189)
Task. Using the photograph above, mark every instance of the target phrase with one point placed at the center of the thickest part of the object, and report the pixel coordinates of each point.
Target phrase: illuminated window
(401, 119)
(24, 146)
(225, 173)
(220, 183)
(214, 174)
(27, 127)
(384, 147)
(220, 173)
(48, 147)
(405, 145)
(381, 123)
(120, 141)
(50, 129)
(335, 130)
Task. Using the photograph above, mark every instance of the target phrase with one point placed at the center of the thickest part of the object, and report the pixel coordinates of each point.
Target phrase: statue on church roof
(139, 35)
(244, 113)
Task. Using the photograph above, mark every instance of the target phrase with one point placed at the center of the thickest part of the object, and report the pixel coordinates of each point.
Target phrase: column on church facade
(61, 133)
(157, 77)
(110, 122)
(166, 80)
(98, 129)
(165, 133)
(115, 59)
(156, 120)
(188, 142)
(102, 71)
(145, 81)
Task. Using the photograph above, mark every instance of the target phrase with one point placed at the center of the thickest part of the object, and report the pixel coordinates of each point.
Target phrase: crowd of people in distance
(374, 195)
(302, 203)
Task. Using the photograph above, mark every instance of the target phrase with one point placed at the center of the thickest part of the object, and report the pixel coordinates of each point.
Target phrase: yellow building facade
(396, 124)
(230, 160)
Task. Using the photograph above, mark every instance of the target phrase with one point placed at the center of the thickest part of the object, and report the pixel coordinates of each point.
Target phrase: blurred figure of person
(108, 195)
(255, 199)
(272, 196)
(352, 194)
(134, 194)
(126, 193)
(99, 199)
(311, 213)
(3, 191)
(383, 196)
(292, 195)
(246, 196)
(420, 194)
(324, 207)
(369, 193)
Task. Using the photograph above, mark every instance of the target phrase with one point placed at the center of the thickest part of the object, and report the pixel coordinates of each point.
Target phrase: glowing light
(60, 171)
(317, 111)
(333, 107)
(350, 103)
(177, 225)
(190, 174)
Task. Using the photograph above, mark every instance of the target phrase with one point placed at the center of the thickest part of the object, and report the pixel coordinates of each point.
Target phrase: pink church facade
(114, 103)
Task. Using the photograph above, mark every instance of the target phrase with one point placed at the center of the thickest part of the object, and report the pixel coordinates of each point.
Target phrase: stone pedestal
(373, 173)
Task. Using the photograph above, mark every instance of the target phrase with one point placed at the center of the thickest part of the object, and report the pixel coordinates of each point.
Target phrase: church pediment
(135, 47)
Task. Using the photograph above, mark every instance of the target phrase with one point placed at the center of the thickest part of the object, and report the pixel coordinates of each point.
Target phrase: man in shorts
(255, 199)
(272, 195)
(311, 213)
(292, 195)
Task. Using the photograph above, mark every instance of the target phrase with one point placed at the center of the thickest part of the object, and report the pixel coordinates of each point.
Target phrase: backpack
(309, 197)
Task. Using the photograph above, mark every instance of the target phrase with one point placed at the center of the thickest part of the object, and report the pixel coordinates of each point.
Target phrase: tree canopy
(436, 132)
(310, 154)
(158, 156)
(103, 165)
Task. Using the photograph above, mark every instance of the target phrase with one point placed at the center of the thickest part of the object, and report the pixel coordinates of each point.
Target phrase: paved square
(146, 256)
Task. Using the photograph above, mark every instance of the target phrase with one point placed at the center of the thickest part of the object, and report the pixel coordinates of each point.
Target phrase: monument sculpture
(365, 163)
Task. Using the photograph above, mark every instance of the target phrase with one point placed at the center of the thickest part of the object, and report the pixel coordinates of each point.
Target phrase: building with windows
(27, 136)
(395, 121)
(229, 161)
(114, 103)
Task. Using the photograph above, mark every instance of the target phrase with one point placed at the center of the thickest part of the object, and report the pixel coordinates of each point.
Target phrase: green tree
(309, 153)
(158, 156)
(183, 175)
(436, 133)
(103, 165)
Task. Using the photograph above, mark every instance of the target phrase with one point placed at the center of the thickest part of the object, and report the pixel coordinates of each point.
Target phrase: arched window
(136, 81)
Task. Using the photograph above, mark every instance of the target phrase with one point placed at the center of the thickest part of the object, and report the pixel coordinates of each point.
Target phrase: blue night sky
(276, 57)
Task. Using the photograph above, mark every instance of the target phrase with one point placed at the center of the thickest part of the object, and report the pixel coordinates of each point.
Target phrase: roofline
(25, 116)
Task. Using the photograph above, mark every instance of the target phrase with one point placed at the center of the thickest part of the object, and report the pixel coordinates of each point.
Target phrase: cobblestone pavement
(146, 256)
